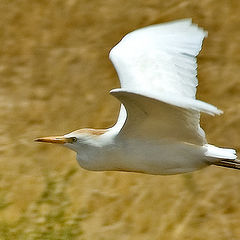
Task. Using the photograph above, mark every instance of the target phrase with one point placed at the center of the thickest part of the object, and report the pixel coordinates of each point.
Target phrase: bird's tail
(224, 157)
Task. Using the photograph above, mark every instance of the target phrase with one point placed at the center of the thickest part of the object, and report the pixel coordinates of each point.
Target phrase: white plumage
(160, 59)
(158, 129)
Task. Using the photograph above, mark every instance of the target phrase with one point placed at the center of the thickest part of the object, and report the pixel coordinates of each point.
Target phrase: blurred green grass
(47, 217)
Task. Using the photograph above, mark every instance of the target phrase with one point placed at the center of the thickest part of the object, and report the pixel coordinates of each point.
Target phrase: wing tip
(219, 111)
(216, 111)
(210, 109)
(188, 22)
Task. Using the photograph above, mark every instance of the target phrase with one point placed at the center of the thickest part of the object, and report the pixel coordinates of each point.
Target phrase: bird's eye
(74, 139)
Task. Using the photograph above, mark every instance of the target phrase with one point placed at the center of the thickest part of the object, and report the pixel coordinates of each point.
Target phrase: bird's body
(158, 129)
(164, 157)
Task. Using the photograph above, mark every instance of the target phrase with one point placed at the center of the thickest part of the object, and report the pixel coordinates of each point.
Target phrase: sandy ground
(54, 78)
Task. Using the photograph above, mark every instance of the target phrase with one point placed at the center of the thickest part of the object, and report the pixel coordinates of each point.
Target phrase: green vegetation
(46, 218)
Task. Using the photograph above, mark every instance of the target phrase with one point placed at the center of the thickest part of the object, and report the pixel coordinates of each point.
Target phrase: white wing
(159, 62)
(152, 119)
(160, 59)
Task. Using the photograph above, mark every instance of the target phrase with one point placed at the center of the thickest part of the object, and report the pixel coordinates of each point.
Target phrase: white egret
(158, 129)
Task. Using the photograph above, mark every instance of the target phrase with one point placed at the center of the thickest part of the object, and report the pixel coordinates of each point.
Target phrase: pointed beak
(57, 139)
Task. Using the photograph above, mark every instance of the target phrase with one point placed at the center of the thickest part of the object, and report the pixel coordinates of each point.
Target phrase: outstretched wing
(156, 66)
(152, 119)
(160, 59)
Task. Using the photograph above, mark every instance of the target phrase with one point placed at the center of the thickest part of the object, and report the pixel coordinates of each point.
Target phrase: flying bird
(158, 128)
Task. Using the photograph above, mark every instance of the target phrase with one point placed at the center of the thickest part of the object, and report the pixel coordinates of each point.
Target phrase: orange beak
(57, 139)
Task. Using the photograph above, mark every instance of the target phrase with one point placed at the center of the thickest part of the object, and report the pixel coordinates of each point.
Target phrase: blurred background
(55, 77)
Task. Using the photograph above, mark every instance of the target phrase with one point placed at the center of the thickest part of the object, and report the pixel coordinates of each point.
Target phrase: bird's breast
(143, 156)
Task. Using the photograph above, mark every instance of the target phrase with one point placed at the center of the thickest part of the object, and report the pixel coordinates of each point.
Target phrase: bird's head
(75, 139)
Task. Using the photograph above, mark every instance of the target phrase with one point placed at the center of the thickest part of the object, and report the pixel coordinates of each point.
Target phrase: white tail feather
(222, 153)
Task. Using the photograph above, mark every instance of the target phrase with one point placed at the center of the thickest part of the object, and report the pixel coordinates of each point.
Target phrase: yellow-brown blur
(54, 78)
